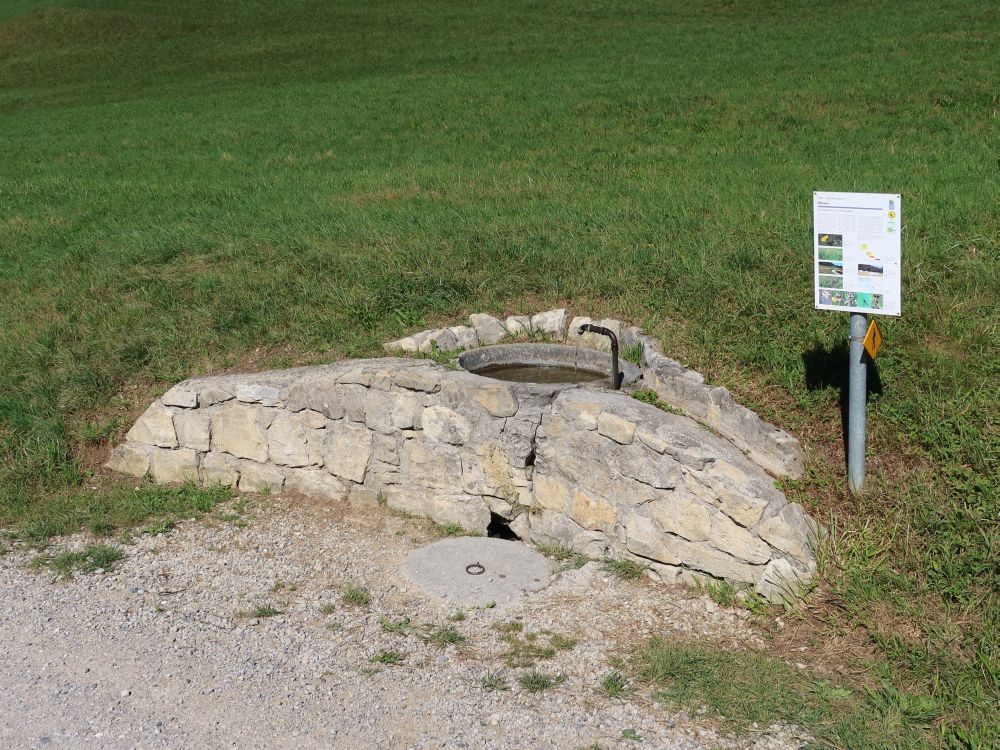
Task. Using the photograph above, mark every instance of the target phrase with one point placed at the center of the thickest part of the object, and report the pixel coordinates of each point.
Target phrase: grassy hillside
(187, 187)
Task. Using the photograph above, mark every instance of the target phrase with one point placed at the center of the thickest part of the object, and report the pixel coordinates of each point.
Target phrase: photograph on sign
(857, 253)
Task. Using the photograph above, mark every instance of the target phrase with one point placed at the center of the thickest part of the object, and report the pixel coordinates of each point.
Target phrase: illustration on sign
(857, 252)
(873, 340)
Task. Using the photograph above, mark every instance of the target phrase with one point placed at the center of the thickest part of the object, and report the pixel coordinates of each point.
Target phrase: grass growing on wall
(189, 187)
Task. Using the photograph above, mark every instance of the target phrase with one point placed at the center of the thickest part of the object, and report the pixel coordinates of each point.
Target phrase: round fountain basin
(546, 364)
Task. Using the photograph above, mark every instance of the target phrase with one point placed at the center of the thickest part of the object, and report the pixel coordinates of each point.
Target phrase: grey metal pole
(856, 398)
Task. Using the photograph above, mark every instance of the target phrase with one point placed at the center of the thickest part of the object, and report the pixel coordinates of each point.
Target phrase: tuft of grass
(511, 626)
(327, 609)
(399, 627)
(390, 658)
(745, 688)
(90, 559)
(265, 610)
(451, 529)
(111, 510)
(495, 681)
(722, 593)
(615, 685)
(633, 353)
(456, 616)
(631, 734)
(355, 595)
(535, 682)
(624, 568)
(442, 636)
(562, 642)
(568, 558)
(653, 399)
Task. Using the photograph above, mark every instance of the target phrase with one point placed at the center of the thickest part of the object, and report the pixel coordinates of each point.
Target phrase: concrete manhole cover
(474, 571)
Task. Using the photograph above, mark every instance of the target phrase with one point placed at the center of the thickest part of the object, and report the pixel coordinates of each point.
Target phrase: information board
(857, 252)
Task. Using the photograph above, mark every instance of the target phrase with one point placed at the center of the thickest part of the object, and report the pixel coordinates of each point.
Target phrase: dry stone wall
(773, 449)
(593, 470)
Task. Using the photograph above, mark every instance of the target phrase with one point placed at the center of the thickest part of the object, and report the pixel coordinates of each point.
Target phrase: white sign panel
(857, 252)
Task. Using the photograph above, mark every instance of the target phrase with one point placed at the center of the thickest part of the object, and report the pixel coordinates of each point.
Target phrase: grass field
(191, 187)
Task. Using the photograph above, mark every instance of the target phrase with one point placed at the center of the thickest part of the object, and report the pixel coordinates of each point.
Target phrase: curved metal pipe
(616, 376)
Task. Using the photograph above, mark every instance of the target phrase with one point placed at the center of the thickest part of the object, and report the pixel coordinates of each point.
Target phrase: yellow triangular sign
(873, 339)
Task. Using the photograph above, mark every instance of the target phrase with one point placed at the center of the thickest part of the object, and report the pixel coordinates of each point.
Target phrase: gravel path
(163, 653)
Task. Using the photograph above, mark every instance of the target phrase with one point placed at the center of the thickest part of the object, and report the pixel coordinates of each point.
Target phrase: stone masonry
(590, 469)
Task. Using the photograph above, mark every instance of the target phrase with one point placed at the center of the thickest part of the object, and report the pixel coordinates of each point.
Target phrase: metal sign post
(857, 396)
(857, 259)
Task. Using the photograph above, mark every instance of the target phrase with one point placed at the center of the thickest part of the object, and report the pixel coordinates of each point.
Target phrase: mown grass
(186, 188)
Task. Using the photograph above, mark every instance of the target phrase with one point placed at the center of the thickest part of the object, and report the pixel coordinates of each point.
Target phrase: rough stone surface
(239, 430)
(465, 337)
(518, 324)
(489, 330)
(781, 583)
(551, 322)
(791, 531)
(584, 467)
(172, 466)
(258, 394)
(131, 459)
(194, 429)
(155, 427)
(442, 339)
(180, 397)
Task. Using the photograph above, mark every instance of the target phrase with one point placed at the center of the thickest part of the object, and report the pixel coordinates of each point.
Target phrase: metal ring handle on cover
(475, 569)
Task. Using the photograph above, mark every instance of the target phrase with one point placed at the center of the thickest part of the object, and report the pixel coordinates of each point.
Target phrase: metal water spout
(616, 376)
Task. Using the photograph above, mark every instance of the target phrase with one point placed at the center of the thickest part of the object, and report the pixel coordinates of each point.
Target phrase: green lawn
(187, 187)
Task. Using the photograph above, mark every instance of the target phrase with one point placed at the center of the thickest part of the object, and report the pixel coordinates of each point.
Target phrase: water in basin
(521, 373)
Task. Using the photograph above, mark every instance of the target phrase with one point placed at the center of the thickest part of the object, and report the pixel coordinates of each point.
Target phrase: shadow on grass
(827, 367)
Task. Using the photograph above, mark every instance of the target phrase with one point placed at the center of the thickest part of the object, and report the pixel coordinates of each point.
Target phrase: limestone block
(644, 537)
(465, 336)
(713, 562)
(442, 338)
(791, 531)
(210, 395)
(182, 397)
(489, 330)
(652, 441)
(518, 441)
(346, 451)
(618, 429)
(131, 459)
(194, 430)
(239, 430)
(683, 515)
(257, 478)
(155, 427)
(419, 379)
(552, 322)
(408, 411)
(317, 484)
(315, 395)
(551, 493)
(357, 376)
(781, 582)
(180, 465)
(518, 324)
(287, 441)
(384, 449)
(592, 512)
(409, 344)
(311, 419)
(258, 394)
(431, 465)
(549, 527)
(442, 424)
(217, 468)
(497, 399)
(737, 541)
(635, 462)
